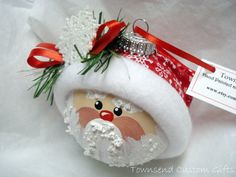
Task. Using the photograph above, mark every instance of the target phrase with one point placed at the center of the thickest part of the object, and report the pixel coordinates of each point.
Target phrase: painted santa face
(129, 119)
(115, 131)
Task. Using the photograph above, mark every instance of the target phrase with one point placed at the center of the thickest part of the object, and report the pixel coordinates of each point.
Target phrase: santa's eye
(98, 105)
(117, 111)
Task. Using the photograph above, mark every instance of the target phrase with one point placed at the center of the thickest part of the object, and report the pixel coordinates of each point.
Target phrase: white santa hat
(140, 85)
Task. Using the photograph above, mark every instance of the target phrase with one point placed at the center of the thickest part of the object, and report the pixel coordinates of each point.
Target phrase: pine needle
(100, 18)
(77, 50)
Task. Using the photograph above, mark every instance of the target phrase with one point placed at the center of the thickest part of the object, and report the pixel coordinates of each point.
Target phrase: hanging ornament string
(46, 50)
(164, 47)
(100, 42)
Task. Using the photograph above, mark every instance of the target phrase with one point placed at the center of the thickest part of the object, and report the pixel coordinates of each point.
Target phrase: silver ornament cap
(135, 44)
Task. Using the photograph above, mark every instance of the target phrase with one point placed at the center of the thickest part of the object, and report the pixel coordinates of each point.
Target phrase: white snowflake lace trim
(79, 30)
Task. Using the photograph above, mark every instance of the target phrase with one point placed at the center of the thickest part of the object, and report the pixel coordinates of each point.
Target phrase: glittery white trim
(102, 140)
(79, 30)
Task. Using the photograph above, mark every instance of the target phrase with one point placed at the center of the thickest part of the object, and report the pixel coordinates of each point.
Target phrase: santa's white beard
(103, 141)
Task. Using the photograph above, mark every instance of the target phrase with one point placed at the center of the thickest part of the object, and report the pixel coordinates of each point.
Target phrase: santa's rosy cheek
(87, 114)
(129, 127)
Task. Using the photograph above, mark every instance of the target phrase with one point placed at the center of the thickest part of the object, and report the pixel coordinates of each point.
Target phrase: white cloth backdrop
(33, 141)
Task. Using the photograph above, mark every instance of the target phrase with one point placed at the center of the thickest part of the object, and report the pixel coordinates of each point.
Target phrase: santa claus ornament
(122, 95)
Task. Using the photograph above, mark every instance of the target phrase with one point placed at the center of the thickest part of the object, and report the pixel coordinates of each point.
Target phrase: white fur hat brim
(136, 83)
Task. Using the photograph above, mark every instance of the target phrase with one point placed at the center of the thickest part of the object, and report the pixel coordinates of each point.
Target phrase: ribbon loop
(162, 46)
(46, 50)
(114, 28)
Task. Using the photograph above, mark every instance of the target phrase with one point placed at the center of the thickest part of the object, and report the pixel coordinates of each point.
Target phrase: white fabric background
(32, 137)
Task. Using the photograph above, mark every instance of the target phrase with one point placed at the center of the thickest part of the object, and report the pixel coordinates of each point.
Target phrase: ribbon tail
(173, 49)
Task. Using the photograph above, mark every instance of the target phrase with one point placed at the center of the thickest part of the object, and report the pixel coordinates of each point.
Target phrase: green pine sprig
(45, 82)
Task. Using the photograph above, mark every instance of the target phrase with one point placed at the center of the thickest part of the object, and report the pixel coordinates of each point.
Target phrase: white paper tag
(218, 88)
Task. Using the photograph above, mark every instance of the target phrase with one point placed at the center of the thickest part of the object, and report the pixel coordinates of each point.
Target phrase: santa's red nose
(106, 115)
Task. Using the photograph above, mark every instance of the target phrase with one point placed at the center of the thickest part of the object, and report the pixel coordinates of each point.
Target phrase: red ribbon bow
(45, 50)
(114, 28)
(162, 46)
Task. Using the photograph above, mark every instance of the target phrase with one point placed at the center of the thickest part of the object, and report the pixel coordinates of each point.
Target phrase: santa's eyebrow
(95, 95)
(99, 98)
(117, 102)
